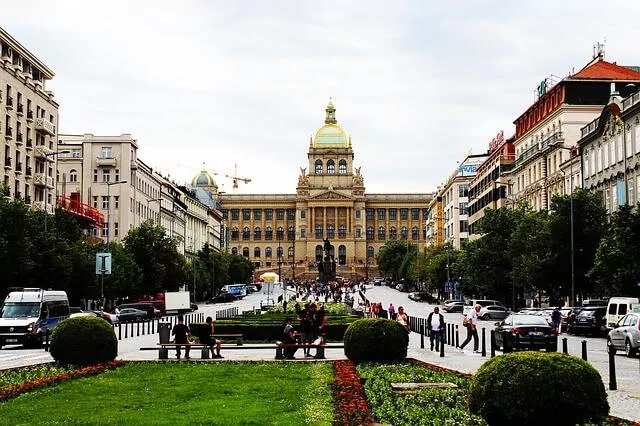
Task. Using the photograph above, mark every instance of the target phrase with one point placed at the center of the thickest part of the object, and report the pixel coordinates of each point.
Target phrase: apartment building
(28, 125)
(433, 225)
(550, 128)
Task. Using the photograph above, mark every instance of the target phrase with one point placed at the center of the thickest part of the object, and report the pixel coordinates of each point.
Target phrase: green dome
(204, 178)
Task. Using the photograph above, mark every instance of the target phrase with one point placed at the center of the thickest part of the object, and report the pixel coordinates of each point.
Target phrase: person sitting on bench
(290, 336)
(208, 339)
(181, 335)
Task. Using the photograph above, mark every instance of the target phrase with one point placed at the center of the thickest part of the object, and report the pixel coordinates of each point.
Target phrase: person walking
(556, 319)
(181, 335)
(471, 321)
(403, 319)
(392, 311)
(435, 327)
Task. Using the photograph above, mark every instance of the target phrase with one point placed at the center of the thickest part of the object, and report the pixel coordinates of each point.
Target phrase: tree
(240, 268)
(395, 259)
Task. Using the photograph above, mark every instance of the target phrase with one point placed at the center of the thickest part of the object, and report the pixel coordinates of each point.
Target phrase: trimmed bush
(83, 341)
(376, 340)
(534, 388)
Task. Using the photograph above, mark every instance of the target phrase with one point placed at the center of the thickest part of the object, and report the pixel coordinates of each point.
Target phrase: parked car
(618, 307)
(82, 314)
(626, 334)
(422, 296)
(452, 307)
(223, 298)
(589, 321)
(378, 280)
(523, 331)
(193, 306)
(131, 314)
(105, 316)
(493, 312)
(148, 307)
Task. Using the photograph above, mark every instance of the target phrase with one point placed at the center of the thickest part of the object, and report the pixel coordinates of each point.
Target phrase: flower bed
(351, 406)
(17, 381)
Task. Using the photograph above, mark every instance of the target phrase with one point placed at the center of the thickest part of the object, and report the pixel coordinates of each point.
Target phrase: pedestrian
(435, 327)
(403, 319)
(392, 311)
(181, 335)
(305, 316)
(471, 322)
(290, 337)
(556, 319)
(208, 339)
(381, 312)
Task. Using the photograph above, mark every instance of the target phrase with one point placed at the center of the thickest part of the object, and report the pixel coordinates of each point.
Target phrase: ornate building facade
(285, 232)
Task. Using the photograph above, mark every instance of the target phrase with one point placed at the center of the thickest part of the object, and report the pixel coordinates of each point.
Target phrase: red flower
(352, 407)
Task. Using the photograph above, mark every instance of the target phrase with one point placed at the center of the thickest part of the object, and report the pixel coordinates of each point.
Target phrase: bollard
(505, 346)
(421, 336)
(457, 337)
(46, 340)
(484, 344)
(119, 332)
(565, 350)
(517, 345)
(442, 337)
(449, 333)
(153, 326)
(126, 330)
(613, 385)
(531, 341)
(584, 350)
(138, 327)
(492, 342)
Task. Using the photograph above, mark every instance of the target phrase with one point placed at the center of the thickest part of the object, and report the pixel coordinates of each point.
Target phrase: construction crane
(237, 178)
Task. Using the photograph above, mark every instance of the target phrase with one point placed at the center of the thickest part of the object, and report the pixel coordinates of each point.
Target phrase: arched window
(280, 233)
(268, 252)
(381, 233)
(290, 253)
(291, 234)
(331, 167)
(404, 233)
(330, 231)
(370, 233)
(73, 175)
(279, 252)
(342, 255)
(245, 233)
(257, 233)
(370, 251)
(414, 233)
(268, 233)
(342, 231)
(245, 252)
(318, 167)
(393, 233)
(256, 252)
(234, 250)
(342, 167)
(235, 233)
(318, 231)
(318, 253)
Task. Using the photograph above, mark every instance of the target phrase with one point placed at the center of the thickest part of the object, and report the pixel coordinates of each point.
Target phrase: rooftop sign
(497, 141)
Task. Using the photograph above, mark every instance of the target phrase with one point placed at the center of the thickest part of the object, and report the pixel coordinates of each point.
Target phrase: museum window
(290, 253)
(303, 232)
(303, 214)
(257, 214)
(318, 167)
(415, 214)
(393, 233)
(268, 233)
(370, 214)
(291, 214)
(268, 214)
(370, 233)
(246, 214)
(382, 214)
(381, 233)
(318, 253)
(280, 233)
(245, 252)
(425, 214)
(404, 214)
(225, 214)
(279, 252)
(235, 214)
(234, 250)
(331, 167)
(414, 233)
(257, 233)
(358, 232)
(256, 252)
(235, 233)
(291, 233)
(342, 255)
(370, 252)
(393, 213)
(280, 214)
(245, 233)
(342, 167)
(268, 252)
(358, 213)
(404, 233)
(342, 231)
(318, 231)
(330, 231)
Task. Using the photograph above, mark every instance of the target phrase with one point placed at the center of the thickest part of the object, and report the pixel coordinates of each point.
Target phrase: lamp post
(46, 187)
(284, 288)
(109, 208)
(573, 267)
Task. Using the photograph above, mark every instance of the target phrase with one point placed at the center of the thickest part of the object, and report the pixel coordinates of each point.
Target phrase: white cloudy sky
(415, 83)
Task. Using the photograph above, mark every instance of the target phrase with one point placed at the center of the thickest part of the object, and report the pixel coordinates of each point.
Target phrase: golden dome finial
(331, 113)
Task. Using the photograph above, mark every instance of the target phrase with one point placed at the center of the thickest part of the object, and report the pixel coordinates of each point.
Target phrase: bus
(239, 290)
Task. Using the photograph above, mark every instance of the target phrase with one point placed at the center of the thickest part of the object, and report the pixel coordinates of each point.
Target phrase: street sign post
(103, 267)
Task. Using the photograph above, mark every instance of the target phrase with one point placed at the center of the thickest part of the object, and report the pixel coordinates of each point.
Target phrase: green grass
(225, 393)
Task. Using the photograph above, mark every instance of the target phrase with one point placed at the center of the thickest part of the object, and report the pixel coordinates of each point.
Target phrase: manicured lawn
(226, 393)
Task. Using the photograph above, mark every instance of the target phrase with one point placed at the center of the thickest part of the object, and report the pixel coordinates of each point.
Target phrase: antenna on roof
(598, 49)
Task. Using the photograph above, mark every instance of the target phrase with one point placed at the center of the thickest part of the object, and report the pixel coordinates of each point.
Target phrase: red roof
(600, 69)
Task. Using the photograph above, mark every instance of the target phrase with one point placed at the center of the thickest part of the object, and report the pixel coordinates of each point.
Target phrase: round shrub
(534, 388)
(83, 341)
(376, 340)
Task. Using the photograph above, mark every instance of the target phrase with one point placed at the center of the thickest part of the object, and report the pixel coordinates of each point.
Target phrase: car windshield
(529, 320)
(589, 313)
(21, 310)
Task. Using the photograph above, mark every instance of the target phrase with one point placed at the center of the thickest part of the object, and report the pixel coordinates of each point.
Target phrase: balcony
(29, 116)
(45, 126)
(18, 168)
(40, 179)
(552, 140)
(40, 205)
(82, 210)
(19, 139)
(8, 134)
(106, 161)
(20, 110)
(7, 163)
(527, 154)
(9, 103)
(43, 153)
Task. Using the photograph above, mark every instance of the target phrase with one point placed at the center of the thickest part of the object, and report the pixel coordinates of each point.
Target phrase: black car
(223, 298)
(589, 321)
(422, 296)
(523, 331)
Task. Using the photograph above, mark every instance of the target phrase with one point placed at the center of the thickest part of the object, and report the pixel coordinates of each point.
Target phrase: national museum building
(286, 231)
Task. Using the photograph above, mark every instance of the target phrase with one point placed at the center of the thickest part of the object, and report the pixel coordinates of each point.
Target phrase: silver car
(626, 334)
(493, 312)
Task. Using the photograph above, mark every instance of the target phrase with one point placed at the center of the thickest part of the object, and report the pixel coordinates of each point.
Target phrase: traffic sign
(103, 263)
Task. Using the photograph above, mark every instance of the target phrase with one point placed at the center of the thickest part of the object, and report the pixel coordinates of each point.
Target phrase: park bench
(238, 337)
(320, 347)
(163, 350)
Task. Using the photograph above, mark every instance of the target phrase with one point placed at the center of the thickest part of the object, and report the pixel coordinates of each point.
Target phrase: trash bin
(164, 329)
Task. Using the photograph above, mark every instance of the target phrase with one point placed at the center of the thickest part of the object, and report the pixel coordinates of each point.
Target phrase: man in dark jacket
(435, 327)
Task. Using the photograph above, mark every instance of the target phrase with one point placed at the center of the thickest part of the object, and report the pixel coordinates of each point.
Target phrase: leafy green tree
(240, 268)
(396, 257)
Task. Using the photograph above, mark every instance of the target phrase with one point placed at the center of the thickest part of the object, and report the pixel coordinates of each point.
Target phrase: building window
(303, 214)
(246, 233)
(106, 175)
(370, 252)
(318, 231)
(303, 233)
(370, 214)
(291, 214)
(342, 167)
(234, 251)
(318, 167)
(404, 214)
(268, 234)
(257, 233)
(382, 214)
(291, 233)
(393, 233)
(280, 233)
(414, 233)
(246, 214)
(115, 229)
(105, 230)
(381, 233)
(342, 231)
(463, 190)
(107, 152)
(279, 253)
(235, 214)
(280, 214)
(463, 208)
(370, 233)
(117, 173)
(415, 214)
(393, 213)
(95, 202)
(268, 213)
(268, 252)
(342, 255)
(318, 253)
(464, 226)
(245, 252)
(358, 213)
(257, 214)
(256, 252)
(290, 253)
(404, 233)
(331, 167)
(116, 202)
(105, 203)
(358, 232)
(235, 233)
(73, 175)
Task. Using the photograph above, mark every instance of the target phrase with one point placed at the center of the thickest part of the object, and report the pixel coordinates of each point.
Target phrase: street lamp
(109, 207)
(573, 267)
(46, 188)
(284, 288)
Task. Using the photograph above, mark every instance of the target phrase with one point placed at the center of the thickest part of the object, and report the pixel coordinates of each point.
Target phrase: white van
(618, 307)
(27, 313)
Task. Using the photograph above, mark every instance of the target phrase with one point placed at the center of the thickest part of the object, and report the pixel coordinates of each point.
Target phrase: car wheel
(486, 317)
(628, 349)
